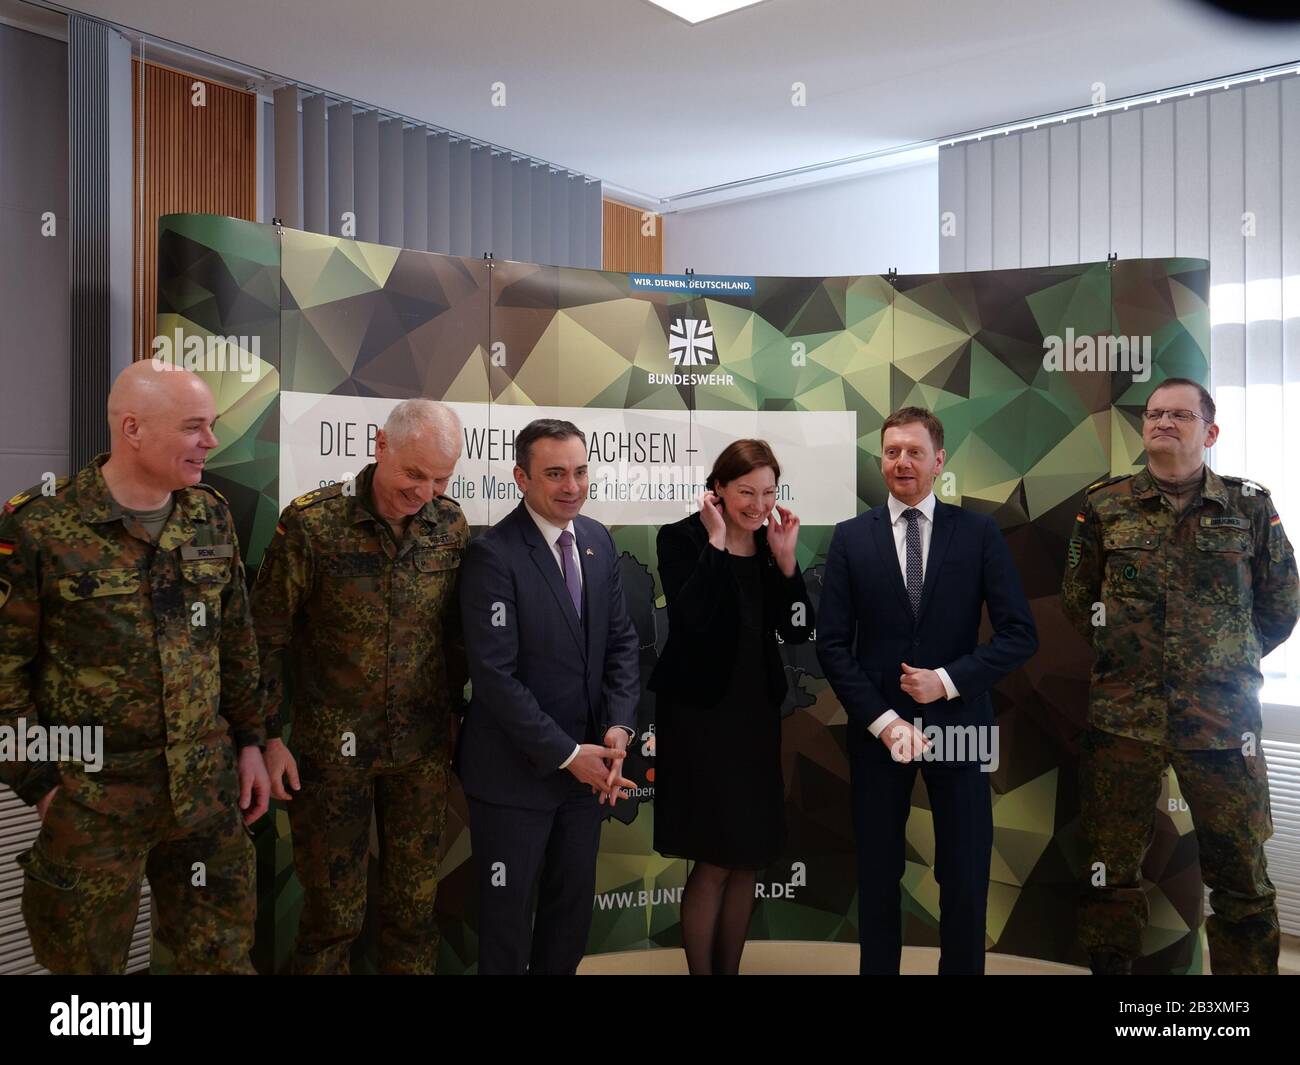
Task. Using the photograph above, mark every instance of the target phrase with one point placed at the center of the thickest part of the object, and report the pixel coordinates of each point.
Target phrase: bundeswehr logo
(690, 341)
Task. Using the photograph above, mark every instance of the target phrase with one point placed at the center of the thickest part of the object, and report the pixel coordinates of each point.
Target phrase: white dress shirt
(926, 528)
(551, 534)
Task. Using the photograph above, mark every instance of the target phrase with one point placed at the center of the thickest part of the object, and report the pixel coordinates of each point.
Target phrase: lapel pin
(591, 552)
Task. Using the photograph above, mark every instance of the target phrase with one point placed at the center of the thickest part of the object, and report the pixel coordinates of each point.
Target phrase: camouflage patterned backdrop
(354, 319)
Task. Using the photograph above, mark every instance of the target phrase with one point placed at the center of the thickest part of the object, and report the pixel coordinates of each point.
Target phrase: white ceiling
(622, 90)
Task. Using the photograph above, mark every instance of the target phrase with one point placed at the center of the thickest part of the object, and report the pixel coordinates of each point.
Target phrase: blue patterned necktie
(569, 567)
(914, 573)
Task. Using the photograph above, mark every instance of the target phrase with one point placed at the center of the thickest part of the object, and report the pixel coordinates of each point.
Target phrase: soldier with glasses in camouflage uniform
(1183, 580)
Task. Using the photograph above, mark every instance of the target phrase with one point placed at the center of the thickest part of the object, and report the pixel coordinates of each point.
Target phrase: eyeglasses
(1183, 416)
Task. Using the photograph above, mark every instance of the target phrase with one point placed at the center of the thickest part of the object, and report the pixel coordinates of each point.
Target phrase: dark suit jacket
(866, 629)
(703, 604)
(542, 679)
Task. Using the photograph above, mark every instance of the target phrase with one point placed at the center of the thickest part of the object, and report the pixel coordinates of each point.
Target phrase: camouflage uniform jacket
(1192, 604)
(101, 627)
(368, 628)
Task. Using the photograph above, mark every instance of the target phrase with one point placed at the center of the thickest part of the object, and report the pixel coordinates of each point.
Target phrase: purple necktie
(569, 567)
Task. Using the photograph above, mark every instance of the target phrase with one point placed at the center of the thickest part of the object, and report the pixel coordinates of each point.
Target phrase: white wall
(861, 225)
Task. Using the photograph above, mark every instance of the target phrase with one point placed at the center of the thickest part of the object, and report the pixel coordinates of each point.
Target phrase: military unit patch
(1076, 551)
(17, 501)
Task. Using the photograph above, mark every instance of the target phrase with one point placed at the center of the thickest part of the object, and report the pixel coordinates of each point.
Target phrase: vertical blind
(1212, 175)
(337, 167)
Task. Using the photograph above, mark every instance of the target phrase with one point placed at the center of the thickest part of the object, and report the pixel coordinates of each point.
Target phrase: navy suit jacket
(865, 628)
(542, 679)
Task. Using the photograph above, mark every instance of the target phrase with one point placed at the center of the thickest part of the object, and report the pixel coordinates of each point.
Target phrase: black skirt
(719, 793)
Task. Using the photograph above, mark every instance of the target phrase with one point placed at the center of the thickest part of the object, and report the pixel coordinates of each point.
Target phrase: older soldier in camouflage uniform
(356, 597)
(123, 606)
(1197, 582)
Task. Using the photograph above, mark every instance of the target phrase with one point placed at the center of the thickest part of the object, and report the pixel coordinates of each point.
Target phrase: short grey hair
(413, 416)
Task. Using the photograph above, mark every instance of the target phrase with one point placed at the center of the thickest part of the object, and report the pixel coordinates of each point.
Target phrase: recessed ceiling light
(694, 11)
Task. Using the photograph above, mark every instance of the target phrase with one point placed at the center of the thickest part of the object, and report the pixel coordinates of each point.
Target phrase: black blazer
(867, 630)
(542, 679)
(703, 604)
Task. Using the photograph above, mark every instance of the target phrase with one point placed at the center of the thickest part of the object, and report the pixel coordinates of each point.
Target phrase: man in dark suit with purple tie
(554, 663)
(898, 638)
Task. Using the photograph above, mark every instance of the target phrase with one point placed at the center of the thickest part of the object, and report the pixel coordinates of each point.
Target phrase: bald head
(160, 424)
(148, 389)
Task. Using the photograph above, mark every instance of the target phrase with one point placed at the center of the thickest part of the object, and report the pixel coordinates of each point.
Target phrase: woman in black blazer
(732, 584)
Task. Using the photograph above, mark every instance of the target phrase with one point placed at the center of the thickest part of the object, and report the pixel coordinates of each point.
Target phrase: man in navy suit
(898, 639)
(554, 662)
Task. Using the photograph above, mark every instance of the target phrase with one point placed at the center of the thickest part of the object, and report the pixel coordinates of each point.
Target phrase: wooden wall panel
(627, 249)
(188, 158)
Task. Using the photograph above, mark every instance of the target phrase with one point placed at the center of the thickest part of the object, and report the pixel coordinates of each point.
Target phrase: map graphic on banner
(814, 365)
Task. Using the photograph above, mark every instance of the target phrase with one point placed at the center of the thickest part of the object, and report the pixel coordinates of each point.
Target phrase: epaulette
(316, 495)
(448, 499)
(208, 488)
(21, 500)
(1249, 488)
(1109, 480)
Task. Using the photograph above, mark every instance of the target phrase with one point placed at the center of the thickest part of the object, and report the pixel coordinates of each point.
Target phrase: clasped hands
(601, 767)
(904, 740)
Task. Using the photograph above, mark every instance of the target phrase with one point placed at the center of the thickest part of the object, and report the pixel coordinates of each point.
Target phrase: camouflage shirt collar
(1214, 488)
(98, 505)
(1144, 486)
(363, 502)
(93, 497)
(363, 499)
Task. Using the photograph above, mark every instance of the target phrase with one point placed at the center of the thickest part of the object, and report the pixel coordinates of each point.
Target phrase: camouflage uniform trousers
(330, 821)
(81, 889)
(1227, 794)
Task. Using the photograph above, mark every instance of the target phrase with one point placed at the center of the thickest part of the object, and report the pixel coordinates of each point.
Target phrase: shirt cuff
(948, 685)
(881, 723)
(565, 764)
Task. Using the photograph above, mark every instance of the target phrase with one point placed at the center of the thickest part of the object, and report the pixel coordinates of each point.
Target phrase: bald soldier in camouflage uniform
(123, 606)
(356, 597)
(1198, 583)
